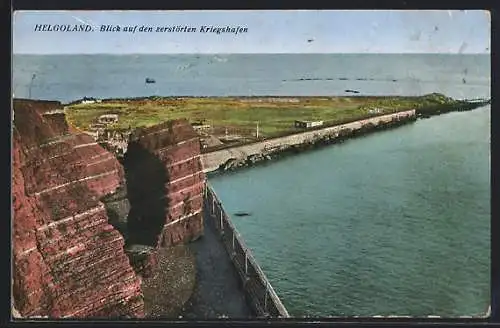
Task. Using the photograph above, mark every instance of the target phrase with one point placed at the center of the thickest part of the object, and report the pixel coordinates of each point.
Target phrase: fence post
(213, 205)
(246, 263)
(265, 297)
(221, 223)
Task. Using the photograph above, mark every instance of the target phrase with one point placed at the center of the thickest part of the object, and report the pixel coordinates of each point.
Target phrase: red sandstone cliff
(68, 260)
(165, 184)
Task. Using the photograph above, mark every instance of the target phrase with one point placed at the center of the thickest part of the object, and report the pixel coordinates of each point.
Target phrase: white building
(308, 124)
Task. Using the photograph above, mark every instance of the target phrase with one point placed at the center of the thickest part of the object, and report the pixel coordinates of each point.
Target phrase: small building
(97, 126)
(108, 118)
(308, 124)
(200, 127)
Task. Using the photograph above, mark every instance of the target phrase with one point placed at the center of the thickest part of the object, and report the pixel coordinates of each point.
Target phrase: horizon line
(253, 53)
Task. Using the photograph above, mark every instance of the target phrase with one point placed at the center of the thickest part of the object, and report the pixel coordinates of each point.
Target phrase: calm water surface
(71, 77)
(397, 222)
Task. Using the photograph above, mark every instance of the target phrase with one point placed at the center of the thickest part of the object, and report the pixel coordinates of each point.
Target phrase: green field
(275, 115)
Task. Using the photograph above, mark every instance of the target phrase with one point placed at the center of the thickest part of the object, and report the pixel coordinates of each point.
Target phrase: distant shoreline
(248, 155)
(231, 156)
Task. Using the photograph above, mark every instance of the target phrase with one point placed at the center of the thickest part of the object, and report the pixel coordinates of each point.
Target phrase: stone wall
(213, 160)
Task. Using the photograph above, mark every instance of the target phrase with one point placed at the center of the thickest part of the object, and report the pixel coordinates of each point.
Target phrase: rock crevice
(164, 186)
(86, 227)
(68, 260)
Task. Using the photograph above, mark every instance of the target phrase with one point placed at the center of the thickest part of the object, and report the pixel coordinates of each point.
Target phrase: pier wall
(213, 160)
(260, 294)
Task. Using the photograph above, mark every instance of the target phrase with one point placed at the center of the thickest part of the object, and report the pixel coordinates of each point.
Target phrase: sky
(269, 31)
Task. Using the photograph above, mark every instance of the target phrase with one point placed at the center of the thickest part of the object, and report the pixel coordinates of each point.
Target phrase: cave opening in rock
(146, 177)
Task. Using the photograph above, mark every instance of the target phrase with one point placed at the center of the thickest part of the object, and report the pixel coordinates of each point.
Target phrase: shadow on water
(146, 177)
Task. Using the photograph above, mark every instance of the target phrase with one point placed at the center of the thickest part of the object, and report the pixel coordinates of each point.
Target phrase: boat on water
(242, 214)
(150, 80)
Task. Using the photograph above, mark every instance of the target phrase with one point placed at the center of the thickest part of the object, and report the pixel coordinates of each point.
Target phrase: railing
(259, 291)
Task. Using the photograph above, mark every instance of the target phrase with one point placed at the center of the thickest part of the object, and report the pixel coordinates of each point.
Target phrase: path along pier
(230, 283)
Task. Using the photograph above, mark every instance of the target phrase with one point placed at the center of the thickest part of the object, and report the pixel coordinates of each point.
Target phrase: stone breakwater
(457, 106)
(247, 155)
(68, 261)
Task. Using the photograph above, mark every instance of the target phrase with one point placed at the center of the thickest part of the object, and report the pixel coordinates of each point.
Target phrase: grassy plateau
(274, 115)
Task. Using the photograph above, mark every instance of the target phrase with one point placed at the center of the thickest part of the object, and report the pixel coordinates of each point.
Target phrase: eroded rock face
(165, 184)
(68, 260)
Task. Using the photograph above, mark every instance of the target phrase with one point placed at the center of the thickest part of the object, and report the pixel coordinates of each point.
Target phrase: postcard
(194, 165)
